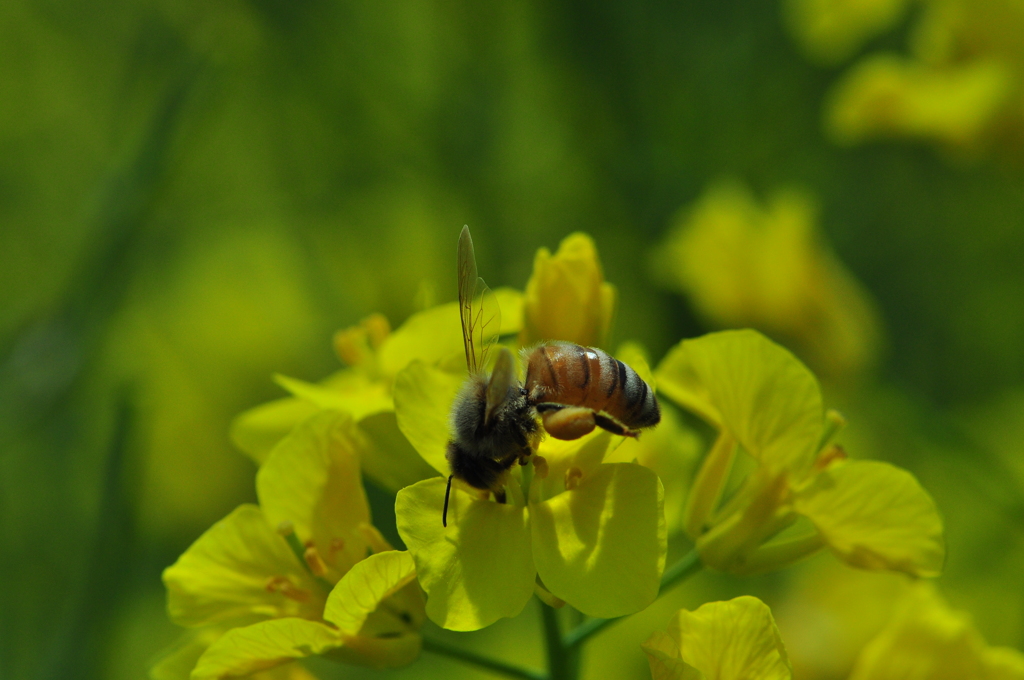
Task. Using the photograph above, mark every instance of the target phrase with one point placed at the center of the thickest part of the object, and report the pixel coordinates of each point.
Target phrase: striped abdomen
(585, 376)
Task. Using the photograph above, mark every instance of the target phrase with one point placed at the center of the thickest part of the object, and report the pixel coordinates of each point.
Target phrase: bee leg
(613, 426)
(568, 422)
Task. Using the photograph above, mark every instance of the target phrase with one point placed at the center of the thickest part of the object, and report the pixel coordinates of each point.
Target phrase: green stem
(563, 661)
(500, 667)
(689, 565)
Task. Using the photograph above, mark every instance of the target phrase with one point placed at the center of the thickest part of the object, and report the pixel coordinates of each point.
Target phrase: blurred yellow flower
(766, 266)
(734, 640)
(831, 31)
(890, 96)
(926, 640)
(761, 398)
(291, 577)
(567, 297)
(961, 84)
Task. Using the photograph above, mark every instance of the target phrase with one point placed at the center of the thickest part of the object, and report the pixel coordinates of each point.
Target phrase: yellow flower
(833, 30)
(592, 531)
(926, 640)
(567, 297)
(870, 514)
(891, 96)
(766, 266)
(959, 84)
(734, 640)
(291, 577)
(363, 389)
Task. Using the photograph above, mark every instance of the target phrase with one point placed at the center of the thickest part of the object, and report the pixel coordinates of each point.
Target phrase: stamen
(540, 467)
(283, 585)
(573, 477)
(286, 528)
(314, 561)
(832, 454)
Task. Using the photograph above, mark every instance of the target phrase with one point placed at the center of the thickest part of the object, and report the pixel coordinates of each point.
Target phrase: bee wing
(478, 307)
(502, 377)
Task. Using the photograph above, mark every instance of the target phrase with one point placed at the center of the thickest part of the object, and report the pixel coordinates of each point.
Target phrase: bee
(569, 388)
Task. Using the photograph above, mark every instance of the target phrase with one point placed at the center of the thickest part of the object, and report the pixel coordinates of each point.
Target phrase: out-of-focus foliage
(195, 195)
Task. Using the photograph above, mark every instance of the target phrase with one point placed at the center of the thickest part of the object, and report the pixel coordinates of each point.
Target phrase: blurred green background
(195, 195)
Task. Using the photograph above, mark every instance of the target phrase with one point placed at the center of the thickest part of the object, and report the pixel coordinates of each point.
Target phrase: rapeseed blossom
(581, 526)
(734, 640)
(567, 297)
(871, 514)
(747, 264)
(958, 84)
(927, 640)
(291, 577)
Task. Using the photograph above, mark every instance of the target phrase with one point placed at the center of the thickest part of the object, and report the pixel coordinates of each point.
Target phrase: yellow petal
(435, 334)
(664, 660)
(312, 480)
(478, 569)
(734, 640)
(875, 516)
(678, 381)
(585, 454)
(351, 391)
(765, 397)
(423, 404)
(264, 645)
(378, 608)
(833, 30)
(365, 586)
(224, 574)
(887, 95)
(178, 662)
(927, 640)
(567, 297)
(259, 429)
(601, 546)
(390, 460)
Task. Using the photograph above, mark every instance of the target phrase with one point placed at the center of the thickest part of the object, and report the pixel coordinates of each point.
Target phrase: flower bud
(567, 297)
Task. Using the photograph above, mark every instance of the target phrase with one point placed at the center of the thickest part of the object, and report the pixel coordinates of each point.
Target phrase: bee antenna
(447, 492)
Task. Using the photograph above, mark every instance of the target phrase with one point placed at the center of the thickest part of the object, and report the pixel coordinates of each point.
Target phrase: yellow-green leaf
(224, 574)
(874, 515)
(476, 570)
(601, 546)
(264, 645)
(734, 640)
(312, 480)
(423, 402)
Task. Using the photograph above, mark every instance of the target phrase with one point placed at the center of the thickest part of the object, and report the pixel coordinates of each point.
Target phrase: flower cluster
(959, 85)
(586, 523)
